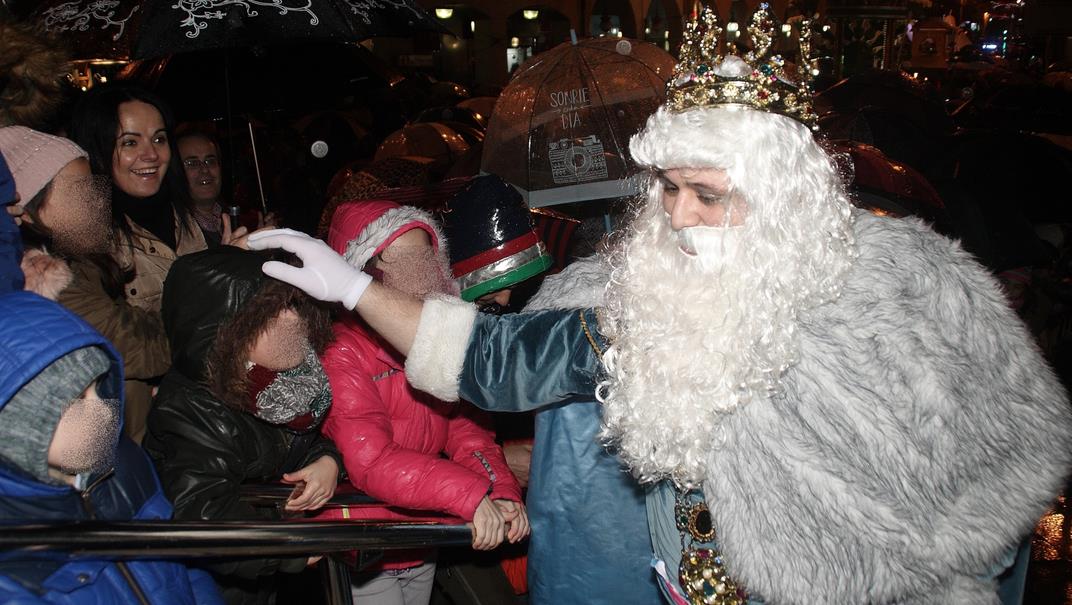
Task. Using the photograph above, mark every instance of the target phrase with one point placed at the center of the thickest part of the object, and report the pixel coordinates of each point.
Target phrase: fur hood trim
(381, 231)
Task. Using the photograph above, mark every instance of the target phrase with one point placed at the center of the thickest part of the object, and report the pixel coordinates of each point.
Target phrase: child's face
(410, 264)
(85, 436)
(282, 344)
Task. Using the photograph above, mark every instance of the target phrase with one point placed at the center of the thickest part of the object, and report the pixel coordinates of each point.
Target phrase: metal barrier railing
(235, 539)
(203, 539)
(276, 494)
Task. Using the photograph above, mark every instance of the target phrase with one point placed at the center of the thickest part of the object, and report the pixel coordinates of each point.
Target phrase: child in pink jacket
(399, 445)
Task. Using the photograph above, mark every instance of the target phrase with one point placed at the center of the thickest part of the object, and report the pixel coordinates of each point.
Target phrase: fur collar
(580, 285)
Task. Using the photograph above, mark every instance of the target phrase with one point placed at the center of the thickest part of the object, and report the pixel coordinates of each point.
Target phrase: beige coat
(133, 324)
(152, 260)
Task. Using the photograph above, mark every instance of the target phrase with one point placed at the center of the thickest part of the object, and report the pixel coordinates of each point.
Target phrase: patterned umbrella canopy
(122, 29)
(93, 29)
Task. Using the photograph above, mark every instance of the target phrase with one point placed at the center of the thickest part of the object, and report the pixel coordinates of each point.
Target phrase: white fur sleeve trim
(437, 356)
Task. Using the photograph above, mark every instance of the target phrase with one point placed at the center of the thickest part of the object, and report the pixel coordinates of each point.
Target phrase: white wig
(691, 345)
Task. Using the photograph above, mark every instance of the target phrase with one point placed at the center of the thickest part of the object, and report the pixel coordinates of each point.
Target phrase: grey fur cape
(920, 436)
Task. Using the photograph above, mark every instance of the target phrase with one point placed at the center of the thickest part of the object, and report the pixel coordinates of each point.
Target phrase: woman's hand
(15, 211)
(314, 485)
(236, 237)
(488, 525)
(516, 517)
(519, 457)
(267, 221)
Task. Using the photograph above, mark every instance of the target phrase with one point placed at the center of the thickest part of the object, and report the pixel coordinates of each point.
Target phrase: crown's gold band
(704, 76)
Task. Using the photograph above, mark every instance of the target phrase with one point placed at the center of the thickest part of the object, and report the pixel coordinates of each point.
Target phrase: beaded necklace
(702, 572)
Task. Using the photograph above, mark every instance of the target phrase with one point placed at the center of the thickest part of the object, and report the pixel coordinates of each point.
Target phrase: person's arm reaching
(326, 276)
(451, 351)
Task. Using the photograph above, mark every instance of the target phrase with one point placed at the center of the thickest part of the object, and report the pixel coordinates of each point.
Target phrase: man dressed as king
(825, 405)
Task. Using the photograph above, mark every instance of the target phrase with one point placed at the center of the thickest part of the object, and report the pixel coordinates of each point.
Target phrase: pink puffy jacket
(399, 445)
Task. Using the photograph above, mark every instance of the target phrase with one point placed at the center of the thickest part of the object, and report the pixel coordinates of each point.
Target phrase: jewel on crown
(705, 76)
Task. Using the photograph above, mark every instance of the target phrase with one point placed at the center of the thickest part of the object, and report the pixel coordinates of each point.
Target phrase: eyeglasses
(195, 163)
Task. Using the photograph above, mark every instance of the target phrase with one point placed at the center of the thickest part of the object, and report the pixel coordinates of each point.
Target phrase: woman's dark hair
(94, 125)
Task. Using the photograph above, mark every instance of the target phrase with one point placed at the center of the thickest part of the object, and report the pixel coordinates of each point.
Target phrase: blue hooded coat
(35, 332)
(10, 240)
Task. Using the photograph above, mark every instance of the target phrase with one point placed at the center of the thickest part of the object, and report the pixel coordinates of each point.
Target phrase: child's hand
(516, 517)
(314, 485)
(488, 526)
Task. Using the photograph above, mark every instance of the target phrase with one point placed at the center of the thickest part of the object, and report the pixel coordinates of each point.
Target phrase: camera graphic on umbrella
(577, 160)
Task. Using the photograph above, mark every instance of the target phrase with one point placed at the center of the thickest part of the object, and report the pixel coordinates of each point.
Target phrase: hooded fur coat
(919, 438)
(916, 441)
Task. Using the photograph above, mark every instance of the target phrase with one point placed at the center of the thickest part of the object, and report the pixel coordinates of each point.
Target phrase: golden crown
(705, 76)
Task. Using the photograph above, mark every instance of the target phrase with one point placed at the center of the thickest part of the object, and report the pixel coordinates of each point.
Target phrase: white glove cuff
(358, 284)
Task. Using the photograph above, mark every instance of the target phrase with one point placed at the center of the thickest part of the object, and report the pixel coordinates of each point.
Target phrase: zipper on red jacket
(87, 505)
(487, 466)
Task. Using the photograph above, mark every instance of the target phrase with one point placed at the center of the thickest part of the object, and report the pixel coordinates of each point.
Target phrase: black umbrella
(891, 92)
(93, 29)
(1015, 181)
(898, 136)
(123, 29)
(292, 79)
(173, 26)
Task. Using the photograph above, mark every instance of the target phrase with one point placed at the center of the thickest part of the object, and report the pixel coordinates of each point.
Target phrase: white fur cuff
(437, 356)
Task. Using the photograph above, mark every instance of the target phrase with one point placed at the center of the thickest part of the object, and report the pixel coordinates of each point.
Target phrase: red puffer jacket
(399, 445)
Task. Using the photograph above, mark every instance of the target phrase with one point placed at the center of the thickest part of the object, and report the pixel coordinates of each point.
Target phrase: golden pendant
(704, 578)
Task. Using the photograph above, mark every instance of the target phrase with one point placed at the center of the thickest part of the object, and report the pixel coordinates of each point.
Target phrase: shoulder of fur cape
(915, 442)
(580, 285)
(45, 274)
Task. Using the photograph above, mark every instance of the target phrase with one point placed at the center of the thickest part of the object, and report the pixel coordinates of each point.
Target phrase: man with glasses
(201, 159)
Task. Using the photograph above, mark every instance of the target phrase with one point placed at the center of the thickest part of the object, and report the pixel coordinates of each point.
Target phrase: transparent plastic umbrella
(560, 130)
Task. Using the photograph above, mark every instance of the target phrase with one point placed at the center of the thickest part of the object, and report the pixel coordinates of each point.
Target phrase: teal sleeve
(526, 361)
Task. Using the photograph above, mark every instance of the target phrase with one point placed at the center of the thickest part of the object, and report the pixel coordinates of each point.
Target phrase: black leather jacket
(204, 449)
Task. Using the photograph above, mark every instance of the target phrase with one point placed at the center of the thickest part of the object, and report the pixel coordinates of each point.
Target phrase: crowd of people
(752, 393)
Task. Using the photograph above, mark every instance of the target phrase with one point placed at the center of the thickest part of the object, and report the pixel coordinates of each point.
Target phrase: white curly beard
(694, 339)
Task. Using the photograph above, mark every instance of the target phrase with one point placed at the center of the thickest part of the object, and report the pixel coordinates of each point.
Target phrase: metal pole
(839, 63)
(336, 575)
(257, 167)
(887, 44)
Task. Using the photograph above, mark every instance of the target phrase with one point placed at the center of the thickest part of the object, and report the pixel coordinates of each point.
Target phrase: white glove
(324, 274)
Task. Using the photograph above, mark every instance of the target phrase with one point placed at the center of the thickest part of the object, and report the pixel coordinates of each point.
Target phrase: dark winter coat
(203, 448)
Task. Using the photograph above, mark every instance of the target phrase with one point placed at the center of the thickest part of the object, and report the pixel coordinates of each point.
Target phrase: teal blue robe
(590, 541)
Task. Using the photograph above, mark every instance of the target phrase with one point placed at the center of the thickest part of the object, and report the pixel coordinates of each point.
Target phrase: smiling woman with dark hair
(126, 132)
